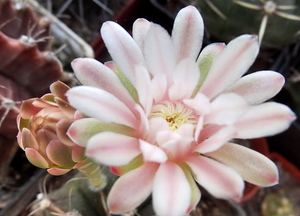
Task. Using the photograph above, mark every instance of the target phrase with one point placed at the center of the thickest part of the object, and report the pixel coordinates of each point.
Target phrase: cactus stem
(92, 171)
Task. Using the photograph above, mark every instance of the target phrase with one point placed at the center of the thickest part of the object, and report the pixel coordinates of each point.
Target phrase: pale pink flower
(164, 116)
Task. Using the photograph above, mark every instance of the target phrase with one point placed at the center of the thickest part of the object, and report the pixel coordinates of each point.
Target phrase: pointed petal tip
(190, 8)
(142, 20)
(75, 60)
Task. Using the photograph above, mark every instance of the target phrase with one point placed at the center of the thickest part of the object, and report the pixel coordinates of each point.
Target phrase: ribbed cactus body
(241, 19)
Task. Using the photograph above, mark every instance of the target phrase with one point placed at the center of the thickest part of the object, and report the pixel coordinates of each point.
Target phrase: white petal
(131, 189)
(229, 65)
(92, 73)
(101, 105)
(112, 149)
(185, 78)
(159, 87)
(251, 165)
(226, 109)
(218, 179)
(122, 48)
(258, 87)
(143, 87)
(171, 191)
(139, 31)
(152, 153)
(264, 120)
(187, 33)
(159, 53)
(175, 145)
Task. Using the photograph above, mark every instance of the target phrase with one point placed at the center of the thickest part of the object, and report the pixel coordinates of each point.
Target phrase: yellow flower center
(175, 114)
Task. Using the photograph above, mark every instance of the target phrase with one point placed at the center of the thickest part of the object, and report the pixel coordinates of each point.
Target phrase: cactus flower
(162, 116)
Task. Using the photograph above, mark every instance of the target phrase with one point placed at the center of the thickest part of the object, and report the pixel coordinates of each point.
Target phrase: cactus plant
(26, 68)
(277, 21)
(277, 205)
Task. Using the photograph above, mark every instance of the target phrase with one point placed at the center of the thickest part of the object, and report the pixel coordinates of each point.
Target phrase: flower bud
(42, 125)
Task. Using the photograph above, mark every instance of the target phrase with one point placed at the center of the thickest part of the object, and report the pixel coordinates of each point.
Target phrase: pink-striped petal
(131, 189)
(156, 125)
(208, 131)
(216, 141)
(83, 129)
(152, 153)
(230, 64)
(200, 103)
(185, 78)
(264, 120)
(122, 48)
(251, 165)
(205, 60)
(159, 52)
(171, 191)
(218, 179)
(101, 105)
(226, 109)
(92, 73)
(112, 149)
(124, 79)
(187, 33)
(174, 144)
(258, 87)
(139, 32)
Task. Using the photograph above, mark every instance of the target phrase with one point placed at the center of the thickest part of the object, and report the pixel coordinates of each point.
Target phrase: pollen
(174, 113)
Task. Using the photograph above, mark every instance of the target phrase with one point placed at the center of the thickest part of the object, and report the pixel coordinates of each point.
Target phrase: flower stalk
(92, 171)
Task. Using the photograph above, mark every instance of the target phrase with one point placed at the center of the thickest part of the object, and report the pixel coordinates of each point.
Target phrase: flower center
(175, 114)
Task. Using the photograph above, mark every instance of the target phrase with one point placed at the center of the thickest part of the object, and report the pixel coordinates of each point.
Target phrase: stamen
(175, 114)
